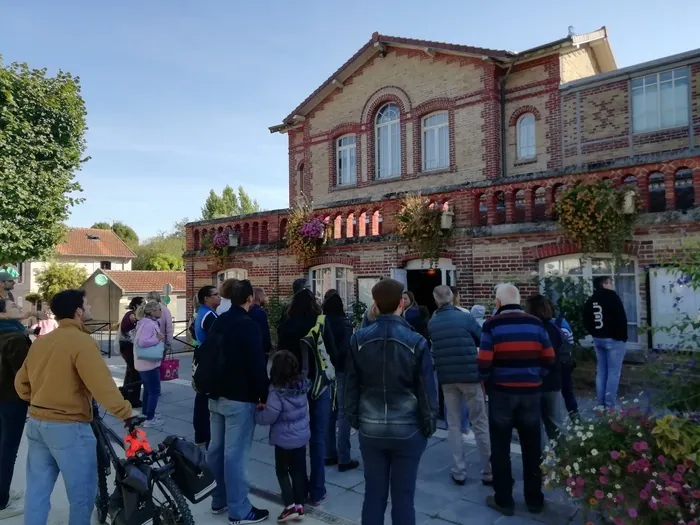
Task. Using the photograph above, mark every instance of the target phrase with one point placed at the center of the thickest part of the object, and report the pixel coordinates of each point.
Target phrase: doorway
(422, 283)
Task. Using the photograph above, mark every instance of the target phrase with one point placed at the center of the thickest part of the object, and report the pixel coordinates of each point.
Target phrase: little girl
(287, 413)
(148, 335)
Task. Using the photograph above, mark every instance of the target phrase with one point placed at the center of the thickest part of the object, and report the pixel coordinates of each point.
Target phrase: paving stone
(348, 505)
(463, 511)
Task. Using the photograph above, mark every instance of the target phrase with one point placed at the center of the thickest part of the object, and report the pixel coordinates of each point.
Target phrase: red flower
(681, 469)
(603, 480)
(643, 495)
(599, 494)
(678, 477)
(604, 471)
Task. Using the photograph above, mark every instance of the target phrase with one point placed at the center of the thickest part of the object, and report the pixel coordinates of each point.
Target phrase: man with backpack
(232, 371)
(209, 299)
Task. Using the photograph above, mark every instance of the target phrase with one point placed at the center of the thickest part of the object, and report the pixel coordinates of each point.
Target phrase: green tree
(165, 261)
(42, 142)
(228, 204)
(124, 232)
(162, 252)
(56, 277)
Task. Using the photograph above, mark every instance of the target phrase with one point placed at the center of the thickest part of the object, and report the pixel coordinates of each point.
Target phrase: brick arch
(432, 106)
(414, 256)
(384, 96)
(521, 111)
(332, 259)
(568, 247)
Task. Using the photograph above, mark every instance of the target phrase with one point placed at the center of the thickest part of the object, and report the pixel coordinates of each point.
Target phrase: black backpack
(207, 364)
(565, 350)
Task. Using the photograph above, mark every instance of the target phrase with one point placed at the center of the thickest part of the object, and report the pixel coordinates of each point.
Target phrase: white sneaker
(151, 423)
(14, 508)
(16, 495)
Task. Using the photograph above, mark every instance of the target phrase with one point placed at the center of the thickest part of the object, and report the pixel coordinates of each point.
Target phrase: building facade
(493, 136)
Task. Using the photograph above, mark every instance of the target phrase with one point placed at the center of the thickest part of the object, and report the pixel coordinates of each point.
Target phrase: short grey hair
(153, 296)
(507, 294)
(149, 308)
(442, 295)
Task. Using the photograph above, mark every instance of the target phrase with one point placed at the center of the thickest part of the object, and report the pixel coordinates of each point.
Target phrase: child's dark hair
(285, 368)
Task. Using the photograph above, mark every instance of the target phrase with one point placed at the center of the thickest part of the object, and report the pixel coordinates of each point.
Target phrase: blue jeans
(232, 426)
(338, 447)
(151, 391)
(12, 417)
(319, 413)
(610, 354)
(68, 448)
(390, 463)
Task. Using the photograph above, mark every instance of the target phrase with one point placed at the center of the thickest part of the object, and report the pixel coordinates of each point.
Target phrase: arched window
(483, 210)
(388, 142)
(196, 239)
(345, 158)
(526, 140)
(246, 234)
(264, 232)
(232, 273)
(436, 142)
(657, 192)
(520, 206)
(362, 225)
(377, 223)
(683, 186)
(338, 227)
(539, 208)
(629, 183)
(283, 228)
(500, 199)
(255, 239)
(333, 277)
(350, 223)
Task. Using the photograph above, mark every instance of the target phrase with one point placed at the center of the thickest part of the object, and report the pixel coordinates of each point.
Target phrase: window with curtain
(388, 142)
(657, 192)
(526, 136)
(331, 277)
(436, 142)
(346, 165)
(660, 101)
(624, 280)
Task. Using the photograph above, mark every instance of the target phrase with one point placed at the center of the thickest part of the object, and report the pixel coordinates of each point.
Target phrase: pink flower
(631, 467)
(653, 505)
(640, 446)
(695, 494)
(599, 494)
(615, 454)
(618, 521)
(620, 497)
(580, 481)
(681, 469)
(662, 459)
(632, 513)
(603, 480)
(617, 428)
(665, 500)
(570, 482)
(643, 495)
(604, 471)
(678, 477)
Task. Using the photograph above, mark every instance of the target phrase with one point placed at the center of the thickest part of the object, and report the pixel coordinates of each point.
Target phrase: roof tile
(78, 242)
(144, 281)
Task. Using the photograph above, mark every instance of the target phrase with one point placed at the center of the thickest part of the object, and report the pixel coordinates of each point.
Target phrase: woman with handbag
(131, 388)
(148, 355)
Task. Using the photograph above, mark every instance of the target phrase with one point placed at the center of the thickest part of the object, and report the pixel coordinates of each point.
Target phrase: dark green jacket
(14, 346)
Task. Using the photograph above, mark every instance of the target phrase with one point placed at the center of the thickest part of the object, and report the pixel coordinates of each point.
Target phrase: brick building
(495, 136)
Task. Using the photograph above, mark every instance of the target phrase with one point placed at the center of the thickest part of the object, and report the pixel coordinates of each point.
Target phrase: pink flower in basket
(220, 240)
(313, 229)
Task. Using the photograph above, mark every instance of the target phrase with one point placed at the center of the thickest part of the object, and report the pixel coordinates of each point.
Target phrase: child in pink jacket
(148, 334)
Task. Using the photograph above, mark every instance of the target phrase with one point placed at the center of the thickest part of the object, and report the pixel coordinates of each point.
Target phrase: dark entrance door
(422, 283)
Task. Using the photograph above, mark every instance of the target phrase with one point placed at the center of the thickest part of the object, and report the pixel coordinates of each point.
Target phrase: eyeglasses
(215, 294)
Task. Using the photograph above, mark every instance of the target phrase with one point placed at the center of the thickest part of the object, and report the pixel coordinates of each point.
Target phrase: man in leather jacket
(391, 397)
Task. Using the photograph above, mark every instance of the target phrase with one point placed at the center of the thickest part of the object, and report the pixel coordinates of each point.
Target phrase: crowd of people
(321, 380)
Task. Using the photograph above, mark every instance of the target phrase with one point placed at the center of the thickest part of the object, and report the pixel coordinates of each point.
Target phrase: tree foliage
(124, 232)
(56, 277)
(164, 251)
(228, 204)
(42, 142)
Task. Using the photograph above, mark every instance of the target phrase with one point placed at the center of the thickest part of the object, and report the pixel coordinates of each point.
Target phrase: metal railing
(103, 334)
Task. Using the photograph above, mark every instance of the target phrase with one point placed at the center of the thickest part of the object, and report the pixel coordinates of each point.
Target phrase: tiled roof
(146, 280)
(88, 242)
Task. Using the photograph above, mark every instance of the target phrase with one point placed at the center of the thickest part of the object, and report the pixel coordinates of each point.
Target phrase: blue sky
(180, 93)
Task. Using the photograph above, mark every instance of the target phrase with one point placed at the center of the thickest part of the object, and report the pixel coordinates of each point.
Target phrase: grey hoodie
(478, 312)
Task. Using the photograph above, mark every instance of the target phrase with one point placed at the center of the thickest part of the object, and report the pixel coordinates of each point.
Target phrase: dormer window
(93, 237)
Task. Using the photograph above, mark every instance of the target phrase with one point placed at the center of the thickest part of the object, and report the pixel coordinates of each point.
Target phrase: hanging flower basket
(305, 233)
(219, 246)
(598, 216)
(424, 226)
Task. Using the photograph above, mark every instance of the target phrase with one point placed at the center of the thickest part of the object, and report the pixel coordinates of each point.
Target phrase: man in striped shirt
(514, 353)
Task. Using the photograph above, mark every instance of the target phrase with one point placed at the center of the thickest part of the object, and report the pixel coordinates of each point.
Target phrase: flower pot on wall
(233, 239)
(446, 219)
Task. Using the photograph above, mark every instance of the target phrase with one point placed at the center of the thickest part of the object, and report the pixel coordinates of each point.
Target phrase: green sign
(166, 300)
(11, 270)
(101, 279)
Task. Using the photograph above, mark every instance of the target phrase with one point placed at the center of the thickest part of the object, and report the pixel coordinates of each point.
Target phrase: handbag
(149, 353)
(170, 367)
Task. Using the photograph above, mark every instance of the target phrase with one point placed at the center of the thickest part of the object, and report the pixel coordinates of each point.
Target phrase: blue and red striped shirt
(514, 350)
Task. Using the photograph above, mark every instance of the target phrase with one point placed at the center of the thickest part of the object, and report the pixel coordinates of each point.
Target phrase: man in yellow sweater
(59, 377)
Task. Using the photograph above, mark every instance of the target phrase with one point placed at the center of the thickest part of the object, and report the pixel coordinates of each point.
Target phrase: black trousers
(290, 467)
(200, 420)
(522, 412)
(131, 389)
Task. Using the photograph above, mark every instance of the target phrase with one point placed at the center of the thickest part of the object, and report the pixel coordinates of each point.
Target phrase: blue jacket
(455, 337)
(287, 413)
(259, 315)
(203, 323)
(390, 387)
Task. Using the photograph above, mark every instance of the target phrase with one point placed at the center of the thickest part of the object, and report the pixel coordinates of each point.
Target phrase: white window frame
(348, 151)
(531, 151)
(394, 171)
(435, 130)
(640, 84)
(587, 273)
(231, 273)
(348, 296)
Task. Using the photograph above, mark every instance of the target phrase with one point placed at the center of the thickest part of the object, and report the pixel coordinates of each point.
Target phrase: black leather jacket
(390, 384)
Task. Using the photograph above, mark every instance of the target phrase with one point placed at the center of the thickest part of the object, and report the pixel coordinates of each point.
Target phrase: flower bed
(630, 466)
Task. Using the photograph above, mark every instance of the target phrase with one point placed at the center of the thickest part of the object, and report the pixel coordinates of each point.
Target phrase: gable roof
(144, 281)
(378, 42)
(91, 242)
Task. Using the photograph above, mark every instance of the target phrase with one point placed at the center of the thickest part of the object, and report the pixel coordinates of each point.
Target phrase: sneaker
(13, 508)
(487, 481)
(344, 467)
(254, 516)
(458, 481)
(506, 511)
(153, 423)
(319, 502)
(288, 514)
(158, 417)
(16, 495)
(219, 510)
(300, 511)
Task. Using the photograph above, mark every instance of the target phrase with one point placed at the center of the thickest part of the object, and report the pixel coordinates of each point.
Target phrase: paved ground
(438, 500)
